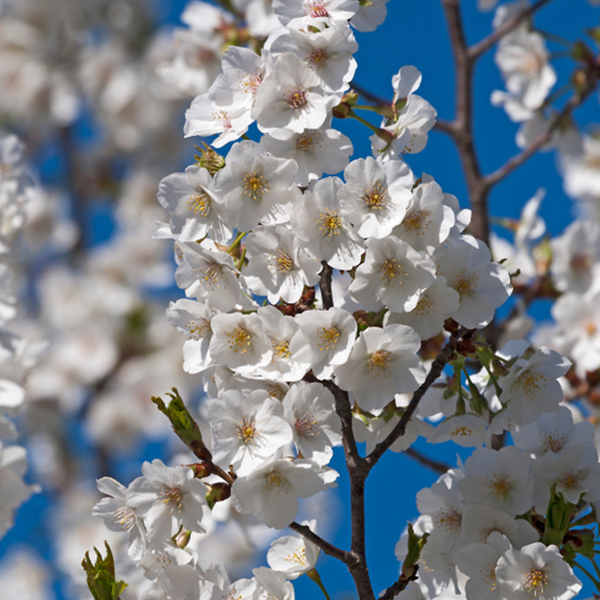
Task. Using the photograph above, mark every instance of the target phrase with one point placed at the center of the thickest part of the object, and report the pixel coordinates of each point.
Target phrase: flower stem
(314, 575)
(237, 240)
(588, 574)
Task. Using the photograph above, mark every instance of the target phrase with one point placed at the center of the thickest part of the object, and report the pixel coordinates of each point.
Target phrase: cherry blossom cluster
(17, 353)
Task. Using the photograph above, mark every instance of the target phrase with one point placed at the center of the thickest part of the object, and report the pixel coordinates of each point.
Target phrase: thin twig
(370, 96)
(394, 589)
(515, 162)
(426, 461)
(317, 540)
(486, 43)
(325, 285)
(436, 369)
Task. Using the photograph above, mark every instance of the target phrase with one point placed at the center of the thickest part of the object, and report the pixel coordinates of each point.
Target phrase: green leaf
(183, 424)
(101, 575)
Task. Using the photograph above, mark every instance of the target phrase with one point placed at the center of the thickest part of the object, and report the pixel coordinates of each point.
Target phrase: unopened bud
(209, 159)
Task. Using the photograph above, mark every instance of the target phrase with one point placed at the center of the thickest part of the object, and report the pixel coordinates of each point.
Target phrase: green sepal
(209, 159)
(100, 575)
(183, 424)
(415, 547)
(365, 2)
(579, 541)
(558, 518)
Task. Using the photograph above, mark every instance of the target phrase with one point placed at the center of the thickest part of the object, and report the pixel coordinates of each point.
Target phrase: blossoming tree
(337, 304)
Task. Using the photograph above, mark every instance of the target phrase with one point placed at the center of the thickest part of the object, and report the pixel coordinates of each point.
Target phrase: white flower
(309, 409)
(239, 341)
(176, 498)
(500, 479)
(324, 339)
(382, 363)
(428, 221)
(256, 187)
(536, 570)
(271, 492)
(341, 10)
(317, 222)
(293, 555)
(118, 516)
(292, 98)
(394, 273)
(375, 197)
(427, 317)
(370, 15)
(278, 267)
(316, 151)
(193, 319)
(247, 430)
(325, 46)
(481, 284)
(531, 387)
(196, 210)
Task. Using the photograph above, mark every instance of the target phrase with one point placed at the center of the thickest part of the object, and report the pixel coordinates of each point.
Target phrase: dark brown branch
(478, 49)
(378, 100)
(394, 589)
(436, 369)
(426, 461)
(330, 549)
(515, 162)
(461, 128)
(325, 285)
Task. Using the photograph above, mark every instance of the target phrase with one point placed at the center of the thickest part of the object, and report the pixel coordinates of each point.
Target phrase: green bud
(209, 159)
(558, 518)
(415, 547)
(183, 424)
(100, 575)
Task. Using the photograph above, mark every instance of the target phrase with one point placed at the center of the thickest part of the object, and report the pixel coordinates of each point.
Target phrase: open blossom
(292, 556)
(271, 491)
(319, 225)
(393, 273)
(536, 570)
(247, 430)
(256, 187)
(292, 98)
(169, 498)
(342, 10)
(278, 267)
(375, 197)
(382, 363)
(309, 409)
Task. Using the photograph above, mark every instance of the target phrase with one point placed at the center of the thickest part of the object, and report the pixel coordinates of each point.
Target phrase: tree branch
(324, 545)
(325, 285)
(426, 461)
(481, 47)
(436, 369)
(515, 162)
(461, 129)
(394, 589)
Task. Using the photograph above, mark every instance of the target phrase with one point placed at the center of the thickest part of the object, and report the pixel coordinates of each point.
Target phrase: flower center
(198, 329)
(307, 424)
(308, 141)
(124, 517)
(572, 480)
(275, 480)
(317, 58)
(199, 203)
(298, 557)
(281, 261)
(331, 223)
(500, 485)
(553, 441)
(316, 8)
(329, 338)
(246, 430)
(448, 519)
(223, 117)
(392, 272)
(465, 283)
(239, 340)
(376, 196)
(423, 306)
(255, 186)
(250, 84)
(281, 350)
(379, 363)
(211, 273)
(416, 222)
(535, 581)
(172, 499)
(593, 162)
(580, 262)
(297, 97)
(532, 382)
